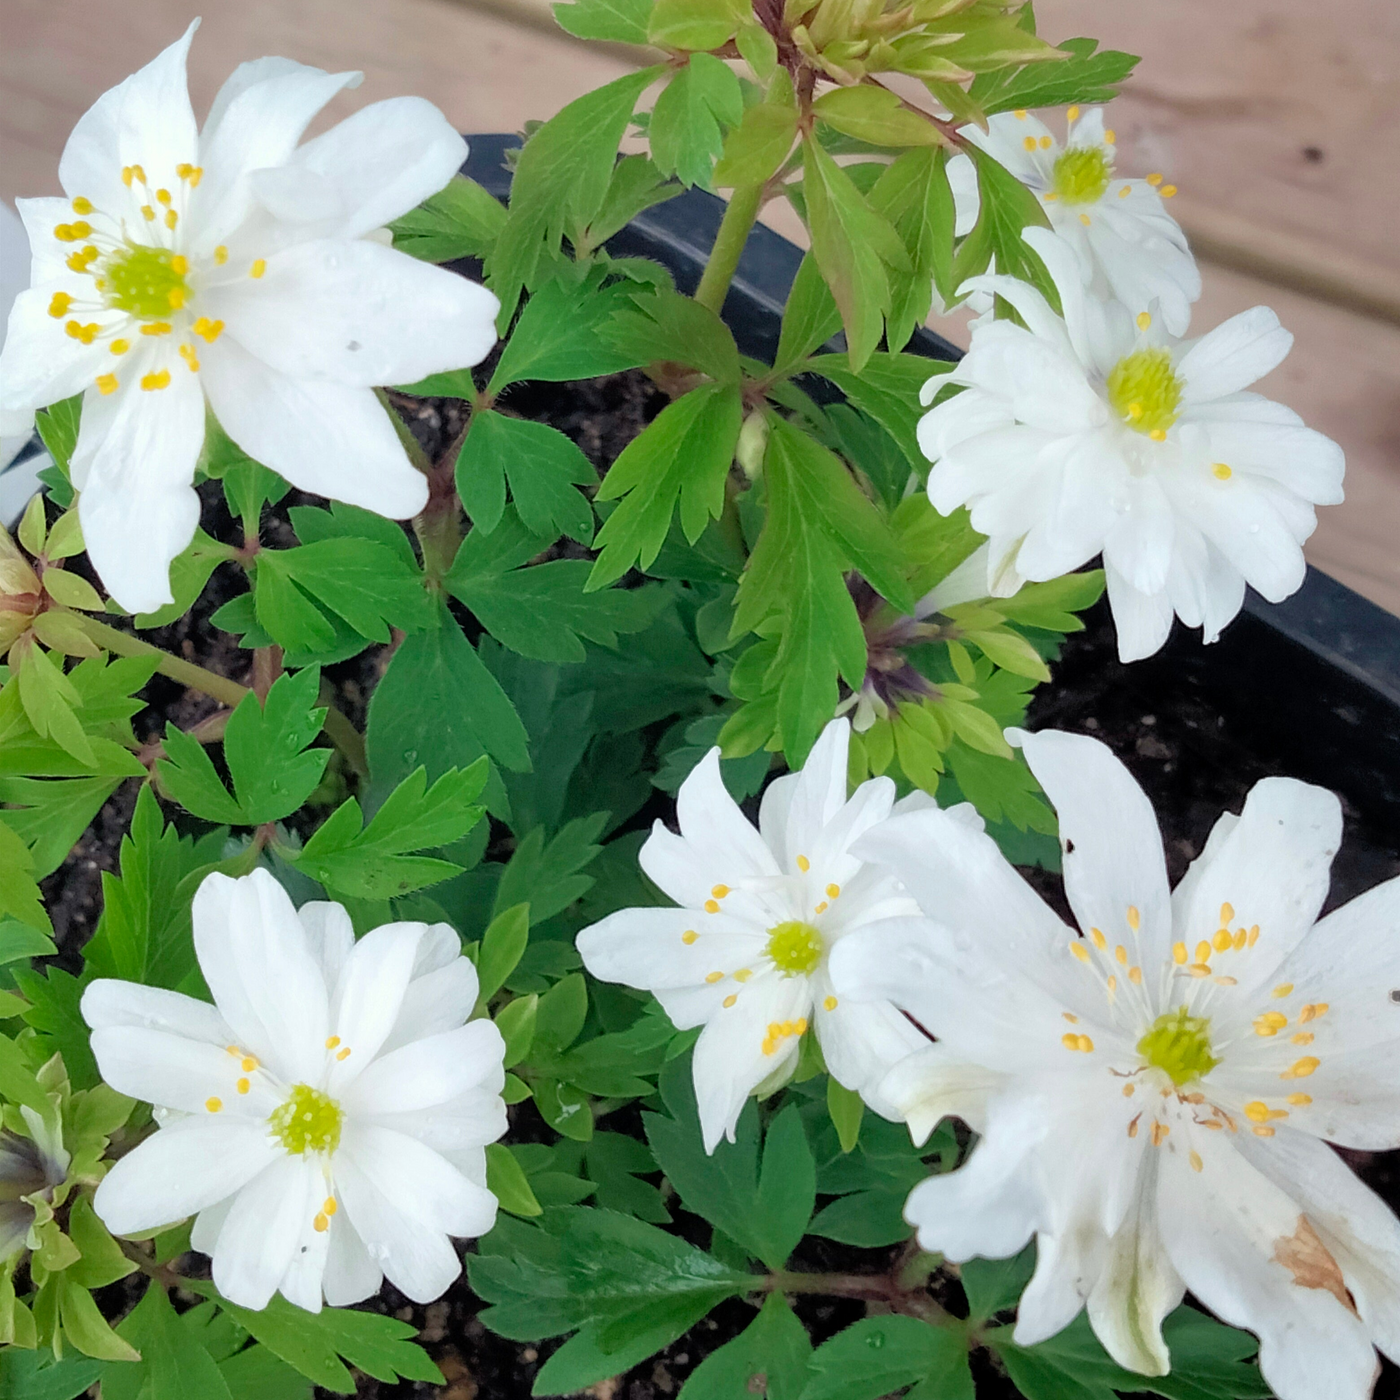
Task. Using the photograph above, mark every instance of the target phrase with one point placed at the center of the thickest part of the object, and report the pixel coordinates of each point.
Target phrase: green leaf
(1053, 605)
(621, 21)
(103, 1261)
(846, 1108)
(582, 1362)
(878, 1355)
(854, 248)
(19, 894)
(173, 1365)
(875, 115)
(256, 1373)
(49, 699)
(1087, 76)
(374, 863)
(617, 1162)
(636, 184)
(787, 1185)
(36, 1375)
(86, 1328)
(505, 1179)
(868, 1219)
(516, 1023)
(58, 429)
(768, 1358)
(51, 816)
(560, 333)
(19, 940)
(754, 151)
(313, 1343)
(502, 945)
(265, 746)
(887, 388)
(690, 117)
(1007, 207)
(547, 874)
(543, 466)
(680, 459)
(436, 685)
(663, 325)
(561, 180)
(810, 318)
(994, 1284)
(54, 998)
(190, 570)
(461, 221)
(541, 611)
(693, 24)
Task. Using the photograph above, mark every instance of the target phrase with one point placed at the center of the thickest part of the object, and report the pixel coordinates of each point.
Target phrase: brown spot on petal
(1311, 1263)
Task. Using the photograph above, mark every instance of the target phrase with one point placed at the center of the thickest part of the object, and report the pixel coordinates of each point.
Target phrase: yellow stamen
(156, 328)
(343, 1053)
(148, 213)
(1072, 115)
(329, 1206)
(1085, 1044)
(1254, 935)
(322, 1224)
(1301, 1068)
(1100, 942)
(82, 206)
(1121, 953)
(1303, 1038)
(1045, 143)
(713, 977)
(1128, 1090)
(1263, 1131)
(58, 307)
(1179, 954)
(1029, 143)
(1195, 1159)
(1241, 938)
(220, 255)
(1226, 981)
(171, 218)
(830, 1004)
(1112, 984)
(803, 864)
(1160, 1132)
(832, 891)
(213, 1105)
(1135, 976)
(1154, 179)
(1300, 1099)
(208, 330)
(1203, 951)
(1085, 220)
(821, 908)
(243, 1086)
(1144, 319)
(1125, 192)
(1222, 942)
(1079, 951)
(1110, 137)
(743, 974)
(258, 268)
(106, 384)
(1199, 970)
(719, 891)
(163, 196)
(250, 1063)
(1158, 435)
(158, 379)
(712, 906)
(332, 1041)
(1257, 1112)
(1282, 990)
(1070, 1017)
(689, 936)
(1167, 191)
(1227, 914)
(731, 999)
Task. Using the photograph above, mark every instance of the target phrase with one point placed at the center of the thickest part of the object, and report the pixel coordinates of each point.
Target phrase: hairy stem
(160, 1273)
(734, 229)
(885, 1289)
(218, 687)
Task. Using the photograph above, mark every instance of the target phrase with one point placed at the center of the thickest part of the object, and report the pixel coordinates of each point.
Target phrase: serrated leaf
(636, 184)
(621, 21)
(754, 151)
(810, 318)
(680, 459)
(19, 893)
(1007, 207)
(690, 118)
(506, 1180)
(878, 1355)
(51, 815)
(769, 1358)
(663, 325)
(875, 115)
(887, 388)
(544, 469)
(693, 24)
(1087, 76)
(502, 946)
(461, 221)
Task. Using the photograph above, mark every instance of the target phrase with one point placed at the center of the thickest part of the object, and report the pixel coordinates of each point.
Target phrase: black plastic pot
(1311, 685)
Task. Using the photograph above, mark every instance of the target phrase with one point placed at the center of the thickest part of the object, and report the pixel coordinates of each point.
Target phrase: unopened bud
(752, 444)
(21, 594)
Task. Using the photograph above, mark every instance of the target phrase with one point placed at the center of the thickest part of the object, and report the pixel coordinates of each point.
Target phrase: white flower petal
(1143, 621)
(330, 936)
(817, 796)
(46, 255)
(1113, 860)
(39, 363)
(648, 948)
(173, 1072)
(960, 417)
(351, 1275)
(370, 994)
(933, 1084)
(1066, 1266)
(265, 1227)
(181, 1169)
(439, 998)
(204, 1233)
(255, 957)
(384, 160)
(1303, 461)
(356, 313)
(430, 1071)
(107, 1002)
(459, 1128)
(1224, 1228)
(136, 456)
(331, 439)
(1233, 355)
(861, 1042)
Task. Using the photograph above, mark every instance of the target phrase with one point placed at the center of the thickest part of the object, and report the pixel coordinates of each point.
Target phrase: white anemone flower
(1127, 245)
(1098, 432)
(746, 953)
(1154, 1096)
(325, 1119)
(232, 266)
(16, 426)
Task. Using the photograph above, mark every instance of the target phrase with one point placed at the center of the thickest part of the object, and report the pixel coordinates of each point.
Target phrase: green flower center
(1082, 174)
(148, 283)
(308, 1122)
(795, 948)
(1179, 1045)
(1145, 391)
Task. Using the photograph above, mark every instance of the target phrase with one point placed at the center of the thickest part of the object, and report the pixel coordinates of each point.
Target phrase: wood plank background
(1278, 119)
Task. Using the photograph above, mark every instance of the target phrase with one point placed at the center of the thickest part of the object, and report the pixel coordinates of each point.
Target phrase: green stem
(220, 688)
(872, 1288)
(733, 233)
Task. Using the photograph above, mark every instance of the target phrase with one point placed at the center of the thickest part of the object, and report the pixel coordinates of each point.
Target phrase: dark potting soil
(1193, 761)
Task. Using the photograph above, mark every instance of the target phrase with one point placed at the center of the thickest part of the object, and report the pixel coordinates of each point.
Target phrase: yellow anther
(1085, 1044)
(243, 1086)
(713, 977)
(775, 1029)
(1085, 220)
(1158, 435)
(171, 218)
(1282, 990)
(213, 1105)
(1167, 191)
(821, 908)
(220, 255)
(1241, 938)
(1135, 976)
(208, 330)
(138, 173)
(1227, 914)
(322, 1224)
(258, 268)
(1254, 935)
(1051, 197)
(329, 1206)
(342, 1053)
(1020, 114)
(689, 936)
(1100, 942)
(1222, 942)
(1072, 115)
(1226, 981)
(233, 1050)
(1270, 1023)
(1134, 410)
(1154, 178)
(1179, 954)
(1320, 1009)
(1079, 951)
(730, 999)
(106, 384)
(1303, 1038)
(832, 891)
(801, 1027)
(1121, 953)
(163, 196)
(1070, 1041)
(332, 1041)
(1263, 1130)
(188, 355)
(1128, 1090)
(1301, 1068)
(156, 328)
(803, 864)
(179, 264)
(1125, 192)
(157, 379)
(1029, 143)
(719, 891)
(78, 231)
(769, 1046)
(1195, 1160)
(830, 1004)
(58, 306)
(712, 906)
(1110, 137)
(127, 175)
(148, 213)
(1144, 319)
(1160, 1133)
(82, 206)
(743, 974)
(1070, 1017)
(1298, 1100)
(183, 169)
(1045, 143)
(1198, 970)
(1112, 984)
(1257, 1112)
(249, 1064)
(76, 262)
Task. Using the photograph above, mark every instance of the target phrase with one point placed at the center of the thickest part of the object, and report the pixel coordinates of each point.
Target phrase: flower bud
(752, 444)
(20, 591)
